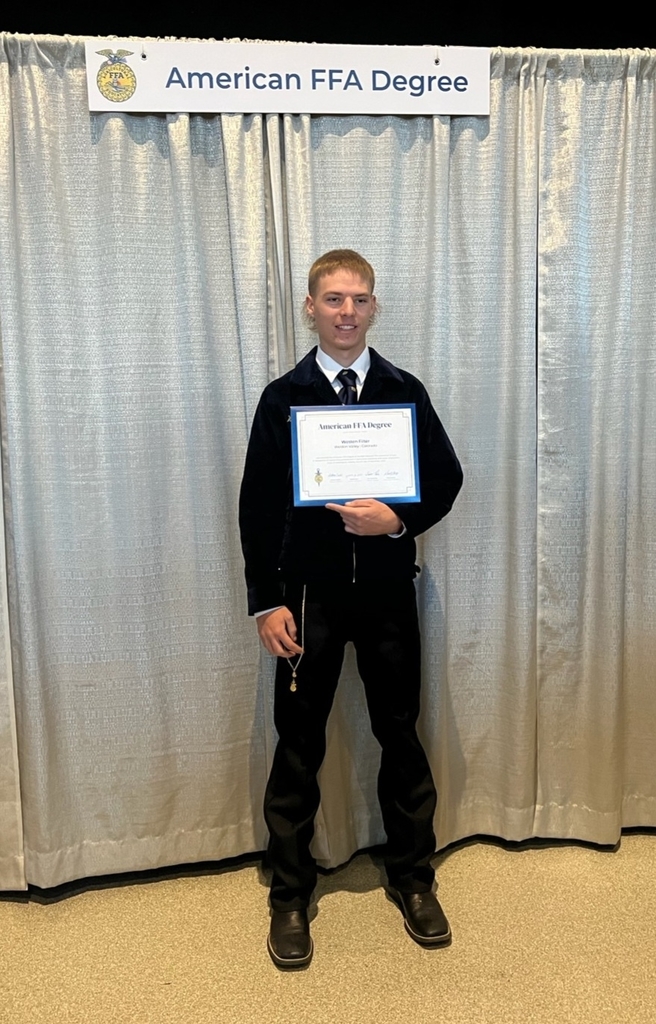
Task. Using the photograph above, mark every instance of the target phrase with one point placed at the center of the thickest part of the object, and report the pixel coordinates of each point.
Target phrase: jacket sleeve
(264, 499)
(440, 473)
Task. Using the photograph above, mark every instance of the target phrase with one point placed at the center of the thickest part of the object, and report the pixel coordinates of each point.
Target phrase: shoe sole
(421, 940)
(430, 943)
(297, 963)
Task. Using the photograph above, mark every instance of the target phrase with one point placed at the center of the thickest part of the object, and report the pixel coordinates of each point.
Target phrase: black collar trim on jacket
(307, 371)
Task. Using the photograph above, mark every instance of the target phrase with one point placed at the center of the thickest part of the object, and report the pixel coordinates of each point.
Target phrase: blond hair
(340, 259)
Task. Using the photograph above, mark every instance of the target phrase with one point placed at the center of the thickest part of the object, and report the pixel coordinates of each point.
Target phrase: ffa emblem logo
(115, 79)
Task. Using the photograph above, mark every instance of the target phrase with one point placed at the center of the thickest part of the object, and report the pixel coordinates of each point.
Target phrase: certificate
(342, 452)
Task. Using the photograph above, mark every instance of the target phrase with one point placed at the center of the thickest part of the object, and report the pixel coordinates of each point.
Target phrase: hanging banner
(140, 76)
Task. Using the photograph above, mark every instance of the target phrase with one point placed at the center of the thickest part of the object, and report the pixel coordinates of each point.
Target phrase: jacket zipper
(353, 562)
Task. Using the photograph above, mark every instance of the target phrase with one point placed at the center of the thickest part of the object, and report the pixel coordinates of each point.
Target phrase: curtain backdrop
(153, 270)
(597, 446)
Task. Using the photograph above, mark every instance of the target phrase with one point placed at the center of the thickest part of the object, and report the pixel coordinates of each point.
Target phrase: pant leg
(292, 794)
(388, 651)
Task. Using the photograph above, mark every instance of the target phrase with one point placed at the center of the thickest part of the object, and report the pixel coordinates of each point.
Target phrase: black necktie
(348, 393)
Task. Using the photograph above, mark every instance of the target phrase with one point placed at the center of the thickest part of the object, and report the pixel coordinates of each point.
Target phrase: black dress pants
(381, 620)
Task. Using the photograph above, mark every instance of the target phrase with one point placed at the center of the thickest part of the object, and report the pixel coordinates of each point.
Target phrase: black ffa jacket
(283, 543)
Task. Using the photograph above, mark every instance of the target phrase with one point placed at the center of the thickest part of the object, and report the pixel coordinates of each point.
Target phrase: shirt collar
(331, 367)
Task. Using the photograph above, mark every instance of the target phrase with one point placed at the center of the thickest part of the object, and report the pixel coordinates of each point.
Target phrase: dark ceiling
(317, 24)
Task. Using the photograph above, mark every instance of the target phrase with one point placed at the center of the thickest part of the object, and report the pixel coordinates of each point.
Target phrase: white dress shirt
(332, 368)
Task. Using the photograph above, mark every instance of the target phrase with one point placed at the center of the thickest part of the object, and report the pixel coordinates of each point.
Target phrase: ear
(309, 304)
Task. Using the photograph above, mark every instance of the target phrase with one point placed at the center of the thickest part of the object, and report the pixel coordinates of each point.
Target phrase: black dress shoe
(425, 921)
(289, 943)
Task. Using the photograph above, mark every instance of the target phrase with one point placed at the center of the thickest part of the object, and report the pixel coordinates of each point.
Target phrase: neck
(345, 359)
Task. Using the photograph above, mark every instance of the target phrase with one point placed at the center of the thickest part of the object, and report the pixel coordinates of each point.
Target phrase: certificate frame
(368, 451)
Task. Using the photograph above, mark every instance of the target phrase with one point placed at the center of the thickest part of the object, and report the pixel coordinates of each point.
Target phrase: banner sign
(141, 76)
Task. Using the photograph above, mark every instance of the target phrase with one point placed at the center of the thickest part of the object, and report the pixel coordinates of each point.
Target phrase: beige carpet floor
(551, 934)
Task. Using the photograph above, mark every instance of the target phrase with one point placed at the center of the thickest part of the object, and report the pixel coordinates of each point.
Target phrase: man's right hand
(277, 631)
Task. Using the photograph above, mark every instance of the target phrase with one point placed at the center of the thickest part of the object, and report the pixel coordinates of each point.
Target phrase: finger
(288, 646)
(290, 625)
(278, 651)
(353, 521)
(281, 647)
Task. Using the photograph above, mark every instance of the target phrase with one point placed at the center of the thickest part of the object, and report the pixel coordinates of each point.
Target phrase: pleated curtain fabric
(152, 276)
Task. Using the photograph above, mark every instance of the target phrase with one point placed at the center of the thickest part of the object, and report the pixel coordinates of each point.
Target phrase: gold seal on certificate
(343, 452)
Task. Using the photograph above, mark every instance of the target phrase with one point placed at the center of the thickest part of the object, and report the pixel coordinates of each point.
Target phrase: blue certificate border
(391, 499)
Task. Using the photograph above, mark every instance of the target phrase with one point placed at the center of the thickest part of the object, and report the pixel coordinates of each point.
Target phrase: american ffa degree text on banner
(141, 76)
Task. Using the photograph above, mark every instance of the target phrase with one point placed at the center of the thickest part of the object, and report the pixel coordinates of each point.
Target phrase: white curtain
(152, 274)
(597, 446)
(134, 333)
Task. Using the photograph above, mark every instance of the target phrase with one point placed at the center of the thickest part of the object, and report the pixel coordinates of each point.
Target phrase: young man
(321, 576)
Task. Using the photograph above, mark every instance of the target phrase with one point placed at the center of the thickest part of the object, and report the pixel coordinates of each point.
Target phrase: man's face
(342, 308)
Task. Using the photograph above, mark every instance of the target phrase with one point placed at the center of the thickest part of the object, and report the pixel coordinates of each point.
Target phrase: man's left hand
(367, 517)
